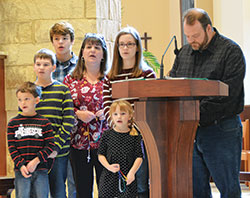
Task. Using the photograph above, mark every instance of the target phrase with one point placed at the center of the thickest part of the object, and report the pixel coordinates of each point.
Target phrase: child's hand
(100, 115)
(53, 154)
(31, 166)
(130, 178)
(114, 168)
(85, 116)
(25, 172)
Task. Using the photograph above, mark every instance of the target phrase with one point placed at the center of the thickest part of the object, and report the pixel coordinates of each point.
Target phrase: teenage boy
(55, 104)
(62, 36)
(30, 143)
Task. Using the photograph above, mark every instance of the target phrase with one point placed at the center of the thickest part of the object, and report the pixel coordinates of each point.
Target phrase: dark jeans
(142, 175)
(57, 177)
(83, 172)
(70, 182)
(217, 153)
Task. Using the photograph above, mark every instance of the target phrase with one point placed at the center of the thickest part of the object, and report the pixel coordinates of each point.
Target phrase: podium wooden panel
(167, 115)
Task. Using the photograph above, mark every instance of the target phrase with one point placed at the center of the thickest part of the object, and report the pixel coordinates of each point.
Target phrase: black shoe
(143, 195)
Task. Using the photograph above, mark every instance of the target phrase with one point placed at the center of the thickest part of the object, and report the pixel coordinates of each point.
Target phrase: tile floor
(244, 188)
(216, 194)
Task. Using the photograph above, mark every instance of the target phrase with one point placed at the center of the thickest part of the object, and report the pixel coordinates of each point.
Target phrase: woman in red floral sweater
(86, 87)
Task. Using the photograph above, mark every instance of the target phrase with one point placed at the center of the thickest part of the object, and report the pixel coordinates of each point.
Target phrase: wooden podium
(6, 186)
(167, 114)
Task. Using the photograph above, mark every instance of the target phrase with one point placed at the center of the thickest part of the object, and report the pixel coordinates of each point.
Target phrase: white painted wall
(232, 19)
(246, 47)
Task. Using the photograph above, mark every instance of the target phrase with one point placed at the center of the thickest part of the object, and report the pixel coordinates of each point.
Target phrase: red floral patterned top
(86, 96)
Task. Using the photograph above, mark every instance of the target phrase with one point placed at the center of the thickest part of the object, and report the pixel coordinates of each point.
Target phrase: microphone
(176, 51)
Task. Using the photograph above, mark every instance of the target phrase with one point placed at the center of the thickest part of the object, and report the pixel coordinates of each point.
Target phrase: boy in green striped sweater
(56, 105)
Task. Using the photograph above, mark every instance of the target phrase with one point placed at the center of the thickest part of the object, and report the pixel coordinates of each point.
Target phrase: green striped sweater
(56, 105)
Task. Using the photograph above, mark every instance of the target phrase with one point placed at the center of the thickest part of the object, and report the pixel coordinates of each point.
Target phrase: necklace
(100, 128)
(122, 182)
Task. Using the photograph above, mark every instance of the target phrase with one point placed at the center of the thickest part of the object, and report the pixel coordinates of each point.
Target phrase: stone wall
(24, 29)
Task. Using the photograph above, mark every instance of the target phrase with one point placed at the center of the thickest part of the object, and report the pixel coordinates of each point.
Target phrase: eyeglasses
(128, 45)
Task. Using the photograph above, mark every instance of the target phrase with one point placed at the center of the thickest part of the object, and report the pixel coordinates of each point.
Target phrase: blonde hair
(125, 106)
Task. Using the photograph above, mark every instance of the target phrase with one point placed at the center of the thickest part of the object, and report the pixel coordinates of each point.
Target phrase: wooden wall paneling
(3, 124)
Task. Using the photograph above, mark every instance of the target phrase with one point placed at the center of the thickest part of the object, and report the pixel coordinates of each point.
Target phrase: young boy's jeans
(71, 182)
(57, 177)
(38, 183)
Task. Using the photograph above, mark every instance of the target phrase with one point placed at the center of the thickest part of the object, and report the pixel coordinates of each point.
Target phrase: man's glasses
(128, 45)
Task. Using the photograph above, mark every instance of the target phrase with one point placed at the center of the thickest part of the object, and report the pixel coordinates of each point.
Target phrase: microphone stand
(162, 66)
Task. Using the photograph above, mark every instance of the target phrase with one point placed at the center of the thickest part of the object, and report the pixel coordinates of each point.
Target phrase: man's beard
(203, 45)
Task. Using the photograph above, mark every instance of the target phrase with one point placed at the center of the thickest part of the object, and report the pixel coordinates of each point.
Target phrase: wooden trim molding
(3, 119)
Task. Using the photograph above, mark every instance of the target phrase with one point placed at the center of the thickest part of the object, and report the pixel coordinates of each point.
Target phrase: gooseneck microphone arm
(162, 66)
(176, 51)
